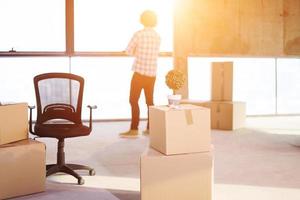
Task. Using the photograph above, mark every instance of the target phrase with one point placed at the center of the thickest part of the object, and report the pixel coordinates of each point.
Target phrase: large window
(32, 25)
(102, 25)
(45, 28)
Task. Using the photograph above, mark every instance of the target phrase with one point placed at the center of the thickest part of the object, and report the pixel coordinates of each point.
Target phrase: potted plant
(174, 80)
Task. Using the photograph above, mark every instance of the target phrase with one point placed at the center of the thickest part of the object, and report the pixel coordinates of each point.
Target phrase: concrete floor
(282, 125)
(257, 162)
(288, 125)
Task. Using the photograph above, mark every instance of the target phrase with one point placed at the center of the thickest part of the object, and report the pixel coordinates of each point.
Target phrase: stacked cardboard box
(225, 113)
(178, 164)
(13, 123)
(221, 81)
(22, 168)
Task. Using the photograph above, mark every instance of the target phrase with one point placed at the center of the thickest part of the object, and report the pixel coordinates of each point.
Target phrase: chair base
(61, 166)
(69, 169)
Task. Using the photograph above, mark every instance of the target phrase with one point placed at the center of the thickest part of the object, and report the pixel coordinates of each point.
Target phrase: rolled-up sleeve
(131, 48)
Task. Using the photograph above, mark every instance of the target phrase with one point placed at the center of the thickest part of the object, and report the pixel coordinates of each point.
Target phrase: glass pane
(199, 72)
(288, 73)
(107, 83)
(254, 82)
(102, 25)
(32, 25)
(17, 76)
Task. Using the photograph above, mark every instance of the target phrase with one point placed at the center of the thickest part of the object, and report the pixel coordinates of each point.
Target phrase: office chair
(59, 101)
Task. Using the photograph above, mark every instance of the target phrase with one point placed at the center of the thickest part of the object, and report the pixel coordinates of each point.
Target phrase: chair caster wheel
(92, 172)
(80, 181)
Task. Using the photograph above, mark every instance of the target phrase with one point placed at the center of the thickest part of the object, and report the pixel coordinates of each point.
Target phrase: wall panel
(291, 27)
(235, 27)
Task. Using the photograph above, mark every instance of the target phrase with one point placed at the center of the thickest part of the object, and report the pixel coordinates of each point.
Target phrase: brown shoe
(129, 134)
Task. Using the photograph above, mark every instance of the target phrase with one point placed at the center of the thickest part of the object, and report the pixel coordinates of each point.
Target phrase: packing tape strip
(189, 117)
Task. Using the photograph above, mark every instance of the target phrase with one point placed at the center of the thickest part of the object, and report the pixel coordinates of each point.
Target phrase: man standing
(144, 46)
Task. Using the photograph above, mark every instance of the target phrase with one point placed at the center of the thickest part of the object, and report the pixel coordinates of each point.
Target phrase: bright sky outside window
(102, 25)
(288, 75)
(32, 25)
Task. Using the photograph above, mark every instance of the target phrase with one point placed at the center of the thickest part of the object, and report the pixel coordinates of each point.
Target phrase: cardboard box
(225, 115)
(222, 81)
(13, 122)
(176, 177)
(177, 131)
(22, 168)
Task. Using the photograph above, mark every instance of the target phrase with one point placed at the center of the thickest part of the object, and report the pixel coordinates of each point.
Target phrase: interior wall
(256, 28)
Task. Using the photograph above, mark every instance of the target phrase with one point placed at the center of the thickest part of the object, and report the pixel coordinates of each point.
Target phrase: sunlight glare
(100, 25)
(104, 182)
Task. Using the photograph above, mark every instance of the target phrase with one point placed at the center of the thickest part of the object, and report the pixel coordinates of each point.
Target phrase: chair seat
(61, 130)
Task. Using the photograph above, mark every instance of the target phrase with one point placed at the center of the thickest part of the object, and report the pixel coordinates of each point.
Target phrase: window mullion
(70, 27)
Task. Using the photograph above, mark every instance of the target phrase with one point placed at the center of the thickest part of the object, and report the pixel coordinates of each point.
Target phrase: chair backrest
(58, 96)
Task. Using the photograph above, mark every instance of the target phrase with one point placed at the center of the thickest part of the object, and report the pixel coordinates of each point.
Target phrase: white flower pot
(174, 100)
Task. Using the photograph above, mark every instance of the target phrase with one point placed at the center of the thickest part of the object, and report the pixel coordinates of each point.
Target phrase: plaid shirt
(144, 45)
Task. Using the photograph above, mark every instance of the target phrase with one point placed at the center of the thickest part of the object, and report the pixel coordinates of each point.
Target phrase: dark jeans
(139, 82)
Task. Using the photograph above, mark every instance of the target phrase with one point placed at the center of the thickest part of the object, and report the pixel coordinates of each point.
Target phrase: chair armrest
(30, 119)
(92, 107)
(91, 114)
